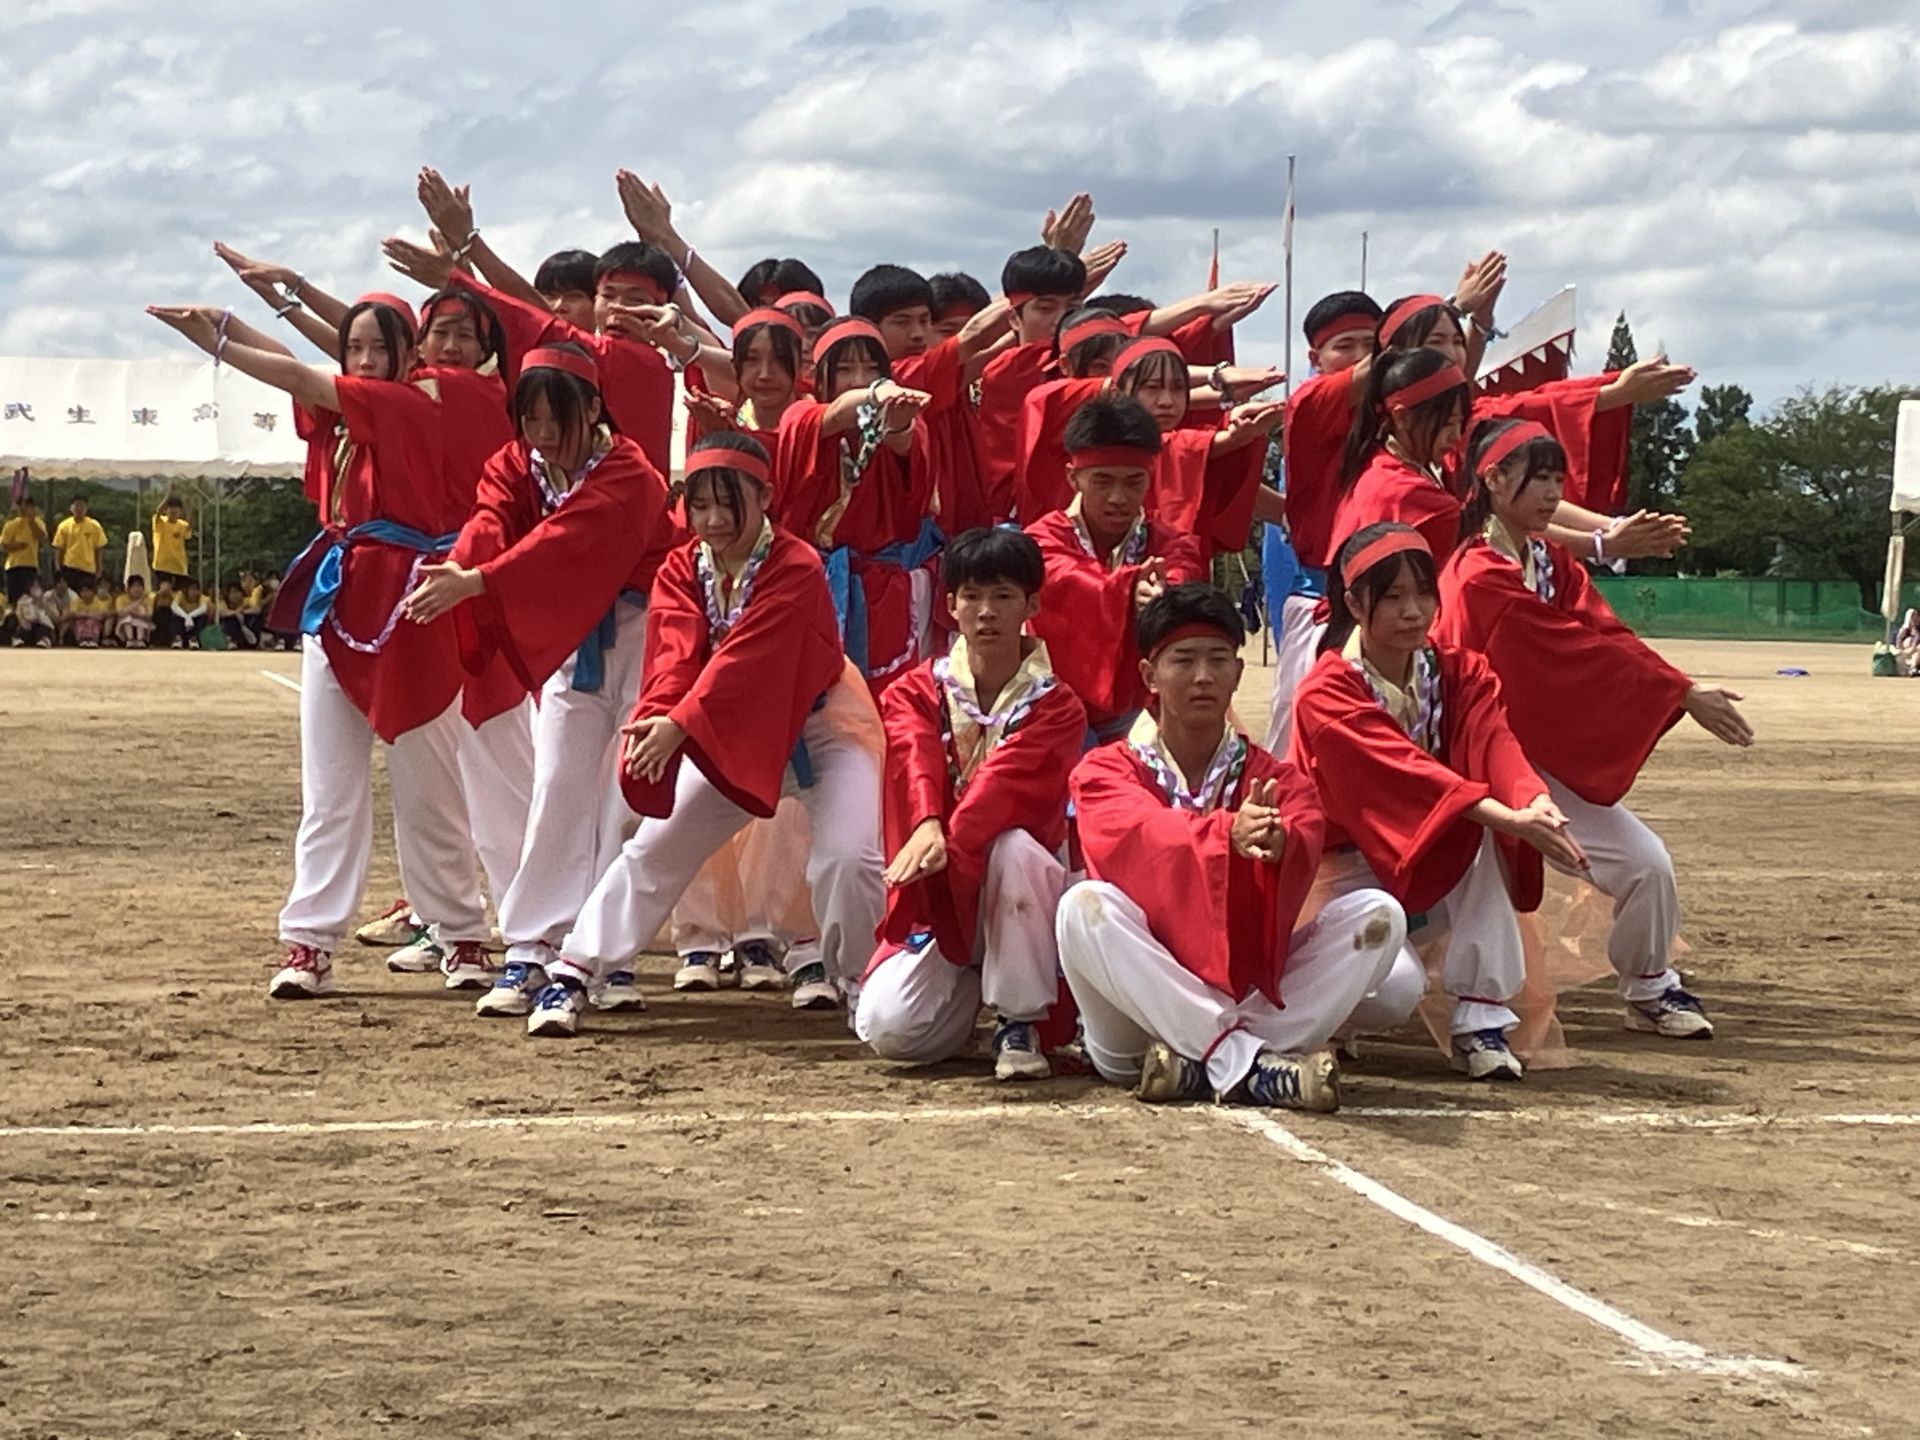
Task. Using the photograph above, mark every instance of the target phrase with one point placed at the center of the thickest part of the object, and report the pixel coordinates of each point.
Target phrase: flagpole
(1363, 260)
(1287, 242)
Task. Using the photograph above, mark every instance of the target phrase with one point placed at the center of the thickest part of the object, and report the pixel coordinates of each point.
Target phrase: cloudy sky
(1742, 176)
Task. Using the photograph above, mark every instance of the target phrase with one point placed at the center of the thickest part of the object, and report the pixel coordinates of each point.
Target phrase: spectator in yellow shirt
(21, 538)
(79, 541)
(86, 619)
(171, 531)
(133, 616)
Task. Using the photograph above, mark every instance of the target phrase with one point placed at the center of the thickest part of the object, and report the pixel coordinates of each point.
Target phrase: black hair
(1155, 365)
(486, 324)
(990, 554)
(1078, 362)
(725, 482)
(758, 279)
(956, 288)
(641, 258)
(394, 329)
(1120, 303)
(813, 319)
(1542, 455)
(1391, 373)
(1369, 586)
(566, 270)
(171, 500)
(568, 395)
(887, 288)
(779, 277)
(1418, 327)
(1111, 420)
(786, 346)
(827, 366)
(1341, 302)
(1043, 270)
(1191, 604)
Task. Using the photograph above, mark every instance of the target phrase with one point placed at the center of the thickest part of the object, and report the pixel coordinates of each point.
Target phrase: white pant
(644, 880)
(1296, 643)
(576, 795)
(731, 901)
(496, 771)
(920, 1006)
(335, 842)
(1132, 992)
(1486, 961)
(1632, 867)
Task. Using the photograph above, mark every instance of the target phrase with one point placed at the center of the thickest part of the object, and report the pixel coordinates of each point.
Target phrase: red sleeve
(1319, 414)
(1022, 784)
(805, 482)
(638, 386)
(525, 326)
(1040, 475)
(1403, 808)
(1481, 745)
(1595, 440)
(939, 371)
(1004, 388)
(916, 758)
(400, 423)
(316, 428)
(1086, 617)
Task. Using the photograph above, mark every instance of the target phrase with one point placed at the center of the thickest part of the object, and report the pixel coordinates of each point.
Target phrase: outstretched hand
(924, 854)
(1231, 304)
(1101, 261)
(431, 268)
(648, 209)
(449, 209)
(1480, 286)
(1650, 380)
(1068, 229)
(1645, 534)
(441, 588)
(199, 323)
(1713, 708)
(651, 744)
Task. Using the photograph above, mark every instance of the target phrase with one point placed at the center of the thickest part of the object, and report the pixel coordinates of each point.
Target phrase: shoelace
(1678, 999)
(1014, 1035)
(1281, 1081)
(515, 975)
(305, 957)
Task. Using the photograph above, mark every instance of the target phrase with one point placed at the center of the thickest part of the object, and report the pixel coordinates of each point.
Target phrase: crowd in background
(152, 604)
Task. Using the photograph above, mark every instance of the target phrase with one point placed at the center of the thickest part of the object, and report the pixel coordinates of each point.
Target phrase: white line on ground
(1658, 1346)
(277, 678)
(645, 1120)
(1650, 1119)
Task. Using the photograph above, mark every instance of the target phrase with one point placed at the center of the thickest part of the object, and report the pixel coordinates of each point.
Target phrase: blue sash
(800, 760)
(326, 576)
(850, 597)
(590, 660)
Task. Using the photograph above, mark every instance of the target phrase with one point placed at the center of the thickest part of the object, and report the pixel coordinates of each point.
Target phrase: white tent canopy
(107, 420)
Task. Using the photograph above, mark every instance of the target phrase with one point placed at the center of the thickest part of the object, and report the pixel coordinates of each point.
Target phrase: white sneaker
(396, 925)
(468, 966)
(306, 975)
(1483, 1055)
(621, 991)
(1676, 1014)
(1017, 1054)
(419, 956)
(514, 991)
(556, 1011)
(812, 990)
(759, 969)
(727, 966)
(699, 971)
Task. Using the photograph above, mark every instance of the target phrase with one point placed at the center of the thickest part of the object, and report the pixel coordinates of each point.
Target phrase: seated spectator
(6, 619)
(242, 627)
(57, 600)
(273, 639)
(113, 592)
(86, 618)
(1906, 645)
(133, 617)
(33, 618)
(192, 614)
(166, 628)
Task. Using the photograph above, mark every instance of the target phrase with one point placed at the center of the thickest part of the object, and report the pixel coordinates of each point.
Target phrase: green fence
(1662, 605)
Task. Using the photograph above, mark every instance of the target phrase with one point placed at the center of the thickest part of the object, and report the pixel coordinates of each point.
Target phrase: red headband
(1446, 378)
(632, 277)
(721, 459)
(1145, 346)
(1524, 433)
(1394, 542)
(1017, 298)
(802, 297)
(1340, 325)
(393, 302)
(843, 330)
(1193, 629)
(765, 316)
(1127, 457)
(1404, 312)
(548, 358)
(1090, 330)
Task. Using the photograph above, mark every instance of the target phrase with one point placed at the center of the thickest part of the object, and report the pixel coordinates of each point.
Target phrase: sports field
(380, 1216)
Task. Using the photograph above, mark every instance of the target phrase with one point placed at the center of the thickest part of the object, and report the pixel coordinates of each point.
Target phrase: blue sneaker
(514, 991)
(620, 991)
(1290, 1082)
(1677, 1015)
(556, 1012)
(699, 970)
(1017, 1054)
(1483, 1055)
(758, 967)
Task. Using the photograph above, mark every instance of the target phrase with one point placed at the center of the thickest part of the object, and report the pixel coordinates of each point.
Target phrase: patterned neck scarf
(1131, 550)
(553, 483)
(1529, 552)
(970, 732)
(1417, 708)
(1216, 786)
(726, 597)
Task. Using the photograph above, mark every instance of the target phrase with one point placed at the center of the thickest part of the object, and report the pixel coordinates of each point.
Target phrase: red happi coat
(1004, 386)
(1391, 489)
(636, 384)
(1595, 440)
(1021, 784)
(742, 701)
(381, 457)
(885, 507)
(552, 575)
(952, 434)
(1226, 918)
(1087, 613)
(1319, 414)
(1587, 699)
(1406, 810)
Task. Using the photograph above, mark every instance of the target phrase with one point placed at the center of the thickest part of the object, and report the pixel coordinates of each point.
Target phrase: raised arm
(303, 305)
(451, 211)
(651, 215)
(215, 332)
(1228, 305)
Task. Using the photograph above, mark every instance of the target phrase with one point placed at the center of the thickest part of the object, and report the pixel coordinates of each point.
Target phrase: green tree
(1722, 408)
(1660, 441)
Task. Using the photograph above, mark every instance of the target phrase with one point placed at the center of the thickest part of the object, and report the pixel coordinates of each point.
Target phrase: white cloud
(1743, 176)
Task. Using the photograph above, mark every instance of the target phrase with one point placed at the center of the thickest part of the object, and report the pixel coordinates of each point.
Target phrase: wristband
(461, 250)
(680, 270)
(220, 337)
(280, 312)
(1217, 379)
(1600, 547)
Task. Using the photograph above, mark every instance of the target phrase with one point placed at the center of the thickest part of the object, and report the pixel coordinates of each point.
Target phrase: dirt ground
(769, 1231)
